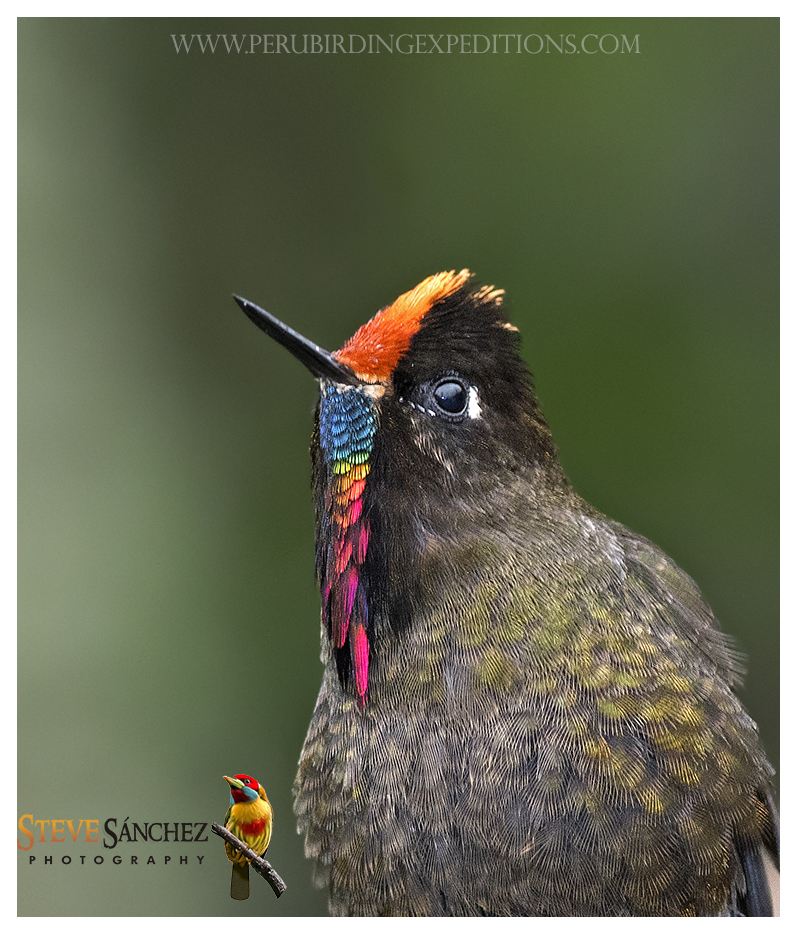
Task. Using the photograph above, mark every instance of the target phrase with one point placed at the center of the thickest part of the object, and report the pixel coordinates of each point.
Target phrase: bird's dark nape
(526, 708)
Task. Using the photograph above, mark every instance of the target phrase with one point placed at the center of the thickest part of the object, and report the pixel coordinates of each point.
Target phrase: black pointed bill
(319, 362)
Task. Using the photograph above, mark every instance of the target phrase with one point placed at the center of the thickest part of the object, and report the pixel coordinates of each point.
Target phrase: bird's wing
(760, 866)
(757, 886)
(268, 814)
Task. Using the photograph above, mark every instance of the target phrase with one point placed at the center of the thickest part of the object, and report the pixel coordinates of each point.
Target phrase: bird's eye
(451, 397)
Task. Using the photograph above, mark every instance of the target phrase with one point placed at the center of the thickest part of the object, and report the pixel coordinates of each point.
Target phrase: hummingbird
(249, 818)
(526, 708)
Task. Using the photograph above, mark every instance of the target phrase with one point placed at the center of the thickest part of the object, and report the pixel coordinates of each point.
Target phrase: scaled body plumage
(544, 722)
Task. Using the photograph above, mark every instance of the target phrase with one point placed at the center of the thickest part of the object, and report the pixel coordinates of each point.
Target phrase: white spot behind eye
(474, 410)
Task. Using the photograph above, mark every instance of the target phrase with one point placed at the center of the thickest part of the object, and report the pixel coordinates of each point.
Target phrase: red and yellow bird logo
(249, 818)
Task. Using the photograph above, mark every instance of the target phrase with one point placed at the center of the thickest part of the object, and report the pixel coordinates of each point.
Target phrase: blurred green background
(168, 614)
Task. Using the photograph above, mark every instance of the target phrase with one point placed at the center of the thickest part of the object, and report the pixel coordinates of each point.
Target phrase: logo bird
(249, 818)
(526, 708)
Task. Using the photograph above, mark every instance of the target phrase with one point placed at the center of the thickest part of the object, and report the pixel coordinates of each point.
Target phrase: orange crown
(375, 348)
